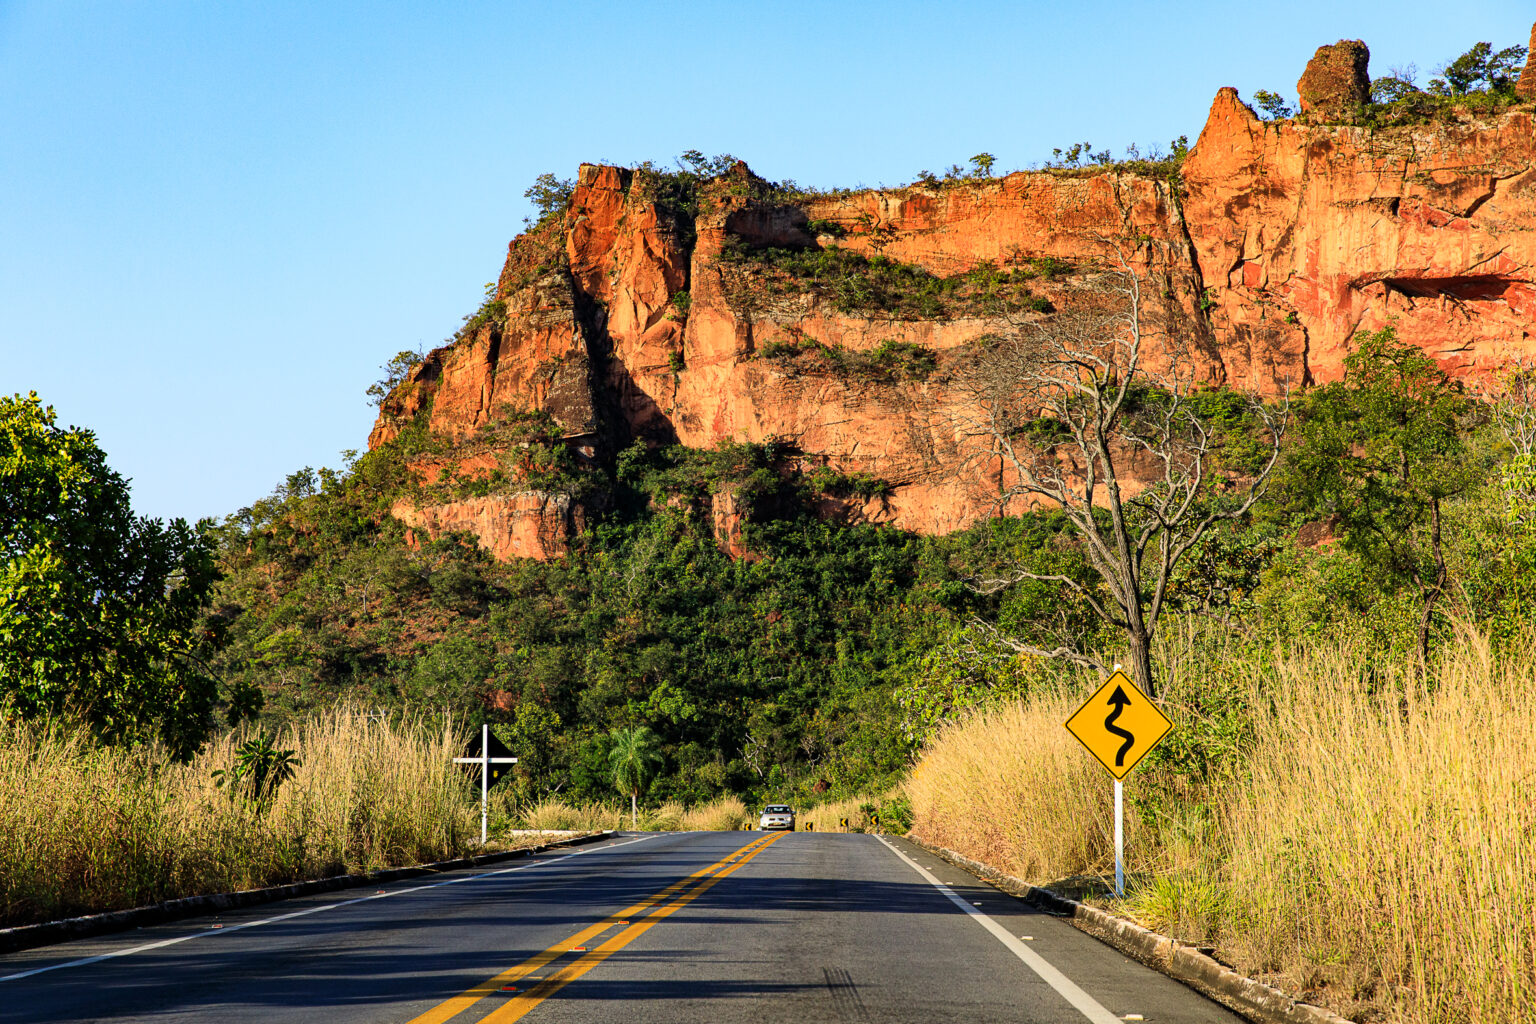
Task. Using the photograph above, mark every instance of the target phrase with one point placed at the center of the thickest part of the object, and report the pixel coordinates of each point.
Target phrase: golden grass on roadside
(557, 814)
(89, 828)
(726, 814)
(666, 818)
(1377, 853)
(828, 815)
(1387, 841)
(1014, 789)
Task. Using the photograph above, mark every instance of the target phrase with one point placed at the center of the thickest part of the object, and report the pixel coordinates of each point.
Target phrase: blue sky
(217, 220)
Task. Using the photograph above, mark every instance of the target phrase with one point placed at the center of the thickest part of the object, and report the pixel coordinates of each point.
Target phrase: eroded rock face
(1336, 79)
(1307, 235)
(726, 516)
(524, 524)
(630, 319)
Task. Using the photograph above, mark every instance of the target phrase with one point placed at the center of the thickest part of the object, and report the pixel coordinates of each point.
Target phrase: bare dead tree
(1513, 402)
(1090, 410)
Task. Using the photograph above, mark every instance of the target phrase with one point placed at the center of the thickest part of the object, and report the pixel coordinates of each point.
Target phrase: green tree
(395, 373)
(1272, 105)
(452, 673)
(551, 196)
(634, 758)
(1480, 69)
(259, 770)
(101, 612)
(1381, 451)
(1396, 84)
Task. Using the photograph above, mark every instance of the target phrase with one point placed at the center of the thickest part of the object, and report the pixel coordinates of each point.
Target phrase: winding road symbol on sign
(1119, 701)
(1119, 724)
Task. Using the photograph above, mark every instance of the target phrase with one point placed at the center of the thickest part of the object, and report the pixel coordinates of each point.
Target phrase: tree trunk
(1432, 594)
(634, 813)
(1140, 657)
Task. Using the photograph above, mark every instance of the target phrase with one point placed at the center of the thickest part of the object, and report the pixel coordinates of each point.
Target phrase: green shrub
(862, 285)
(829, 481)
(551, 197)
(1272, 106)
(904, 359)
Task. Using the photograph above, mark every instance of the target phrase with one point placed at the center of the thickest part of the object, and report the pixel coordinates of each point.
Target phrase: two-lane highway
(702, 926)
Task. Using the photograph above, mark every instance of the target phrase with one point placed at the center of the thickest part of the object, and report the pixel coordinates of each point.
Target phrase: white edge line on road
(1081, 1001)
(309, 910)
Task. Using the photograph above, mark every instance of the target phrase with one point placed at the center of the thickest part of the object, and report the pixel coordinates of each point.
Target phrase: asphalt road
(713, 927)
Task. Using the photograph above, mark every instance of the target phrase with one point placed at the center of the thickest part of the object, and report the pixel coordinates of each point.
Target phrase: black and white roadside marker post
(492, 752)
(1119, 739)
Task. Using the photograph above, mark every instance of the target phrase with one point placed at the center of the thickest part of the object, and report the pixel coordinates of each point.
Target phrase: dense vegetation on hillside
(762, 674)
(821, 661)
(817, 664)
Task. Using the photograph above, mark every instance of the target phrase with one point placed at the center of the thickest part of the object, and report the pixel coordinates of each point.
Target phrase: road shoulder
(1253, 999)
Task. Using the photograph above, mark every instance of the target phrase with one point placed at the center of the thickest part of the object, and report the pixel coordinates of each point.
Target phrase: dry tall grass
(557, 814)
(1377, 854)
(1011, 787)
(89, 828)
(828, 815)
(722, 815)
(1387, 841)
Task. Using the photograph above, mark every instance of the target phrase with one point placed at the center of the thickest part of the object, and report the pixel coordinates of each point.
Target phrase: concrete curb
(1253, 999)
(29, 936)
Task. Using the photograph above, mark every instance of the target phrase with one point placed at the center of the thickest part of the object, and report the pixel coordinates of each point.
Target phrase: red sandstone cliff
(1287, 239)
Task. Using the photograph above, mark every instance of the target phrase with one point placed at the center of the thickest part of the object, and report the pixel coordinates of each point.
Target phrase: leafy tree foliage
(634, 758)
(1382, 451)
(1395, 85)
(1272, 105)
(698, 165)
(551, 196)
(259, 770)
(395, 372)
(770, 673)
(1480, 69)
(101, 612)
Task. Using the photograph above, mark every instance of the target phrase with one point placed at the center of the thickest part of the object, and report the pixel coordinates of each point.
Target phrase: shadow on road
(457, 936)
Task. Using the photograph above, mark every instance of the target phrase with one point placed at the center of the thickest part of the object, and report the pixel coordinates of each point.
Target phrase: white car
(777, 816)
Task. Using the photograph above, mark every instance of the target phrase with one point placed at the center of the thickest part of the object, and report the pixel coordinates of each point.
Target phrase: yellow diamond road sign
(1119, 725)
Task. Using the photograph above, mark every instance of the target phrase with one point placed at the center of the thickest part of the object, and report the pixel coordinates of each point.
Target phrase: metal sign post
(1119, 739)
(486, 758)
(1119, 839)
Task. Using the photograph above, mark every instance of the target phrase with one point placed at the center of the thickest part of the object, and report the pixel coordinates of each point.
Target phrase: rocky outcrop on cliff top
(1526, 86)
(635, 316)
(1335, 81)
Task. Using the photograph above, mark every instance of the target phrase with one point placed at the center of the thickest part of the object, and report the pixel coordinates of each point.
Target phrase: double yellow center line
(652, 909)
